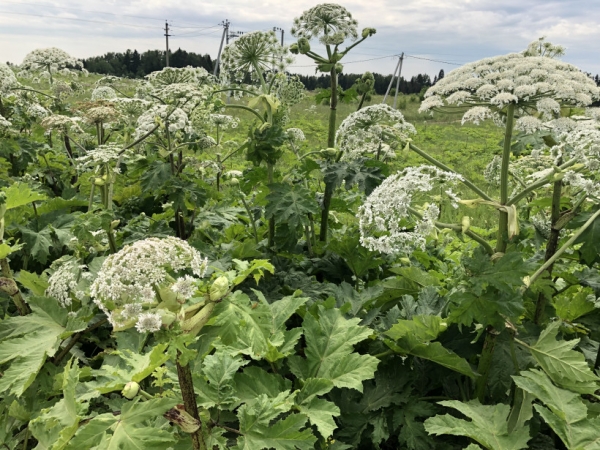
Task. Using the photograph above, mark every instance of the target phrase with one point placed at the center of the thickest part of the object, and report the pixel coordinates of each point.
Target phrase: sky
(433, 34)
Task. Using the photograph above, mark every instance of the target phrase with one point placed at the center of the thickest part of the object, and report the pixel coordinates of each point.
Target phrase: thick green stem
(551, 247)
(329, 188)
(271, 219)
(538, 184)
(485, 363)
(91, 201)
(503, 222)
(442, 166)
(458, 228)
(565, 246)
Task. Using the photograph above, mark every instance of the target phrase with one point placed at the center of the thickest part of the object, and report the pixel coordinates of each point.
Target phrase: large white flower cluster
(259, 50)
(373, 131)
(104, 93)
(8, 80)
(64, 282)
(178, 120)
(536, 84)
(335, 18)
(103, 154)
(180, 75)
(51, 59)
(223, 121)
(385, 218)
(129, 279)
(60, 123)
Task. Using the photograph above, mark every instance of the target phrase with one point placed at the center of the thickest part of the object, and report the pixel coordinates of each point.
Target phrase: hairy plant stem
(565, 246)
(250, 218)
(551, 248)
(8, 285)
(329, 187)
(442, 166)
(271, 219)
(186, 383)
(502, 241)
(485, 363)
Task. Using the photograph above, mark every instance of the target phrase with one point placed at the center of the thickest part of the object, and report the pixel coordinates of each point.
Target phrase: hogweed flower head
(64, 281)
(178, 120)
(129, 280)
(49, 59)
(385, 216)
(8, 80)
(104, 93)
(332, 22)
(371, 131)
(60, 123)
(254, 52)
(535, 84)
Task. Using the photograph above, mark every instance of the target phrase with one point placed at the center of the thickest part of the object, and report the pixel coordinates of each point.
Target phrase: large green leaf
(26, 342)
(120, 432)
(488, 425)
(121, 367)
(320, 412)
(291, 204)
(565, 366)
(218, 389)
(564, 411)
(285, 434)
(413, 337)
(329, 350)
(257, 329)
(20, 194)
(55, 427)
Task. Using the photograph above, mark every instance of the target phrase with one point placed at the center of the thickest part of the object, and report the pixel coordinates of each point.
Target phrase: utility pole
(398, 79)
(399, 70)
(167, 39)
(225, 24)
(276, 29)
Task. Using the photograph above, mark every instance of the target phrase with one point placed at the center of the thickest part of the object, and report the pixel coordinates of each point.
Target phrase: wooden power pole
(225, 36)
(167, 39)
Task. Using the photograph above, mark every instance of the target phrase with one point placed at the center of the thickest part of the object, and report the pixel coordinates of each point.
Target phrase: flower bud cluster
(385, 217)
(337, 19)
(64, 282)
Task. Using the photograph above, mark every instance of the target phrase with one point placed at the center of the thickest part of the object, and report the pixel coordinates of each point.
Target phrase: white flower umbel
(135, 273)
(180, 75)
(8, 80)
(223, 121)
(101, 155)
(104, 93)
(148, 323)
(184, 287)
(50, 60)
(385, 217)
(62, 284)
(58, 122)
(536, 84)
(336, 18)
(373, 131)
(178, 120)
(254, 53)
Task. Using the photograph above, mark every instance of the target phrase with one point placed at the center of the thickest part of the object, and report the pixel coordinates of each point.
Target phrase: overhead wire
(80, 20)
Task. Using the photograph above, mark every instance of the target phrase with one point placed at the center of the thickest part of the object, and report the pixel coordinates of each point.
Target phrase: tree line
(133, 64)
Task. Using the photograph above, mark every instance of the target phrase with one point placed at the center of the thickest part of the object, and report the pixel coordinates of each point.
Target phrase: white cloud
(455, 31)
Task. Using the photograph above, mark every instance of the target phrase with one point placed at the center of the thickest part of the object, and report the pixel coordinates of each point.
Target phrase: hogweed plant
(332, 24)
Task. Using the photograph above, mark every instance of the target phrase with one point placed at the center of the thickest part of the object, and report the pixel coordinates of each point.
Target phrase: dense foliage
(167, 283)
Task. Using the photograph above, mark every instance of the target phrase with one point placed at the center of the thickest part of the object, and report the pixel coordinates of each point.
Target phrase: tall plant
(333, 25)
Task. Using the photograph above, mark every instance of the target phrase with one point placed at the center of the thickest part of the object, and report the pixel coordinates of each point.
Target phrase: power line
(80, 20)
(435, 60)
